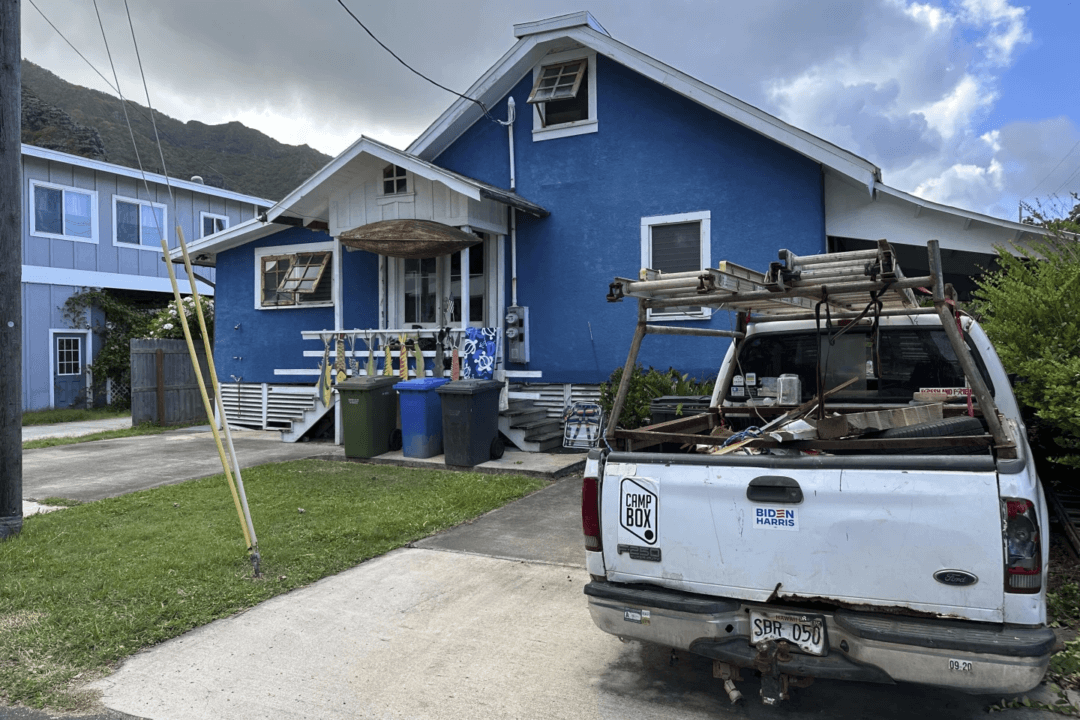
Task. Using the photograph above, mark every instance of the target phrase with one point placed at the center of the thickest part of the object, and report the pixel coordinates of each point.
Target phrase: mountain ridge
(63, 116)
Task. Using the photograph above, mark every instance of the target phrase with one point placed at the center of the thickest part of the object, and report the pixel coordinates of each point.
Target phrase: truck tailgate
(857, 537)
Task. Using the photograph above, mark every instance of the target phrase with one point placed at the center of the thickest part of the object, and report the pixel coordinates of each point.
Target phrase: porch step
(547, 431)
(528, 427)
(520, 417)
(312, 415)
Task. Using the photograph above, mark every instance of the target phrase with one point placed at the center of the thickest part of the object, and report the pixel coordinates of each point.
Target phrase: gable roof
(310, 201)
(537, 39)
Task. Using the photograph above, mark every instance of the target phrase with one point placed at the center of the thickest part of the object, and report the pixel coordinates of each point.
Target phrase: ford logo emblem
(955, 577)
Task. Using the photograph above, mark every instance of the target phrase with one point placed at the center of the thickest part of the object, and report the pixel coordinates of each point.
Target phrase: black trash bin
(470, 418)
(670, 407)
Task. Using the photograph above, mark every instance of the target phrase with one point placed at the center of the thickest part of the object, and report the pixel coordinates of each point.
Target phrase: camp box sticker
(639, 505)
(776, 518)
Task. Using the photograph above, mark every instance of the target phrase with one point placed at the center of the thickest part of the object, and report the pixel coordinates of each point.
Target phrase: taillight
(590, 513)
(1023, 552)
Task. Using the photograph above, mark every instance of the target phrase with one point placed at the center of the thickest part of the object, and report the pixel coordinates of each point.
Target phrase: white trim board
(38, 275)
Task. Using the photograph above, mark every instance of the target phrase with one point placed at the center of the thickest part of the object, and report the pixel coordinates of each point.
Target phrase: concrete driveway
(486, 620)
(107, 468)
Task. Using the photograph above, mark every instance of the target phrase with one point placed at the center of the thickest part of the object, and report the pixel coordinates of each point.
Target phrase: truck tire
(960, 426)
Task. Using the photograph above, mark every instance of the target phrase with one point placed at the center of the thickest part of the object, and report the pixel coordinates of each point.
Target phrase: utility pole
(11, 323)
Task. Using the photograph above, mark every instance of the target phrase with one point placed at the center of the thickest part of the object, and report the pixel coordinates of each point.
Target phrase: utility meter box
(517, 334)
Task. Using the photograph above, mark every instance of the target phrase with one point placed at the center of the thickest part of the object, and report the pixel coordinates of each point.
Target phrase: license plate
(807, 632)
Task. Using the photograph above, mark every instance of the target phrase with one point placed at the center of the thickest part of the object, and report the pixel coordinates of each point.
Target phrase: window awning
(410, 239)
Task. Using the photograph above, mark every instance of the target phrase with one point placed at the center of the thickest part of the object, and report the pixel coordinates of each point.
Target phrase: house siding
(655, 153)
(250, 343)
(55, 269)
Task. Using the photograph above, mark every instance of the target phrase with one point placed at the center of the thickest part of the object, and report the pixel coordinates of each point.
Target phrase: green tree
(1030, 308)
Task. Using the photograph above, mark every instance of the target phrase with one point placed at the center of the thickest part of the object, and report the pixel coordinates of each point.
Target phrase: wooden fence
(164, 389)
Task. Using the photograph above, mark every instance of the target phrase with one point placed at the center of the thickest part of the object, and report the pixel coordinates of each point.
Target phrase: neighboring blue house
(92, 224)
(614, 162)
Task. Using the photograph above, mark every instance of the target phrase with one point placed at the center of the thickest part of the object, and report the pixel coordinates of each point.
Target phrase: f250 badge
(638, 509)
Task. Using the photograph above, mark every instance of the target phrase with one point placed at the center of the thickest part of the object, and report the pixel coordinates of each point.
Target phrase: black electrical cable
(483, 107)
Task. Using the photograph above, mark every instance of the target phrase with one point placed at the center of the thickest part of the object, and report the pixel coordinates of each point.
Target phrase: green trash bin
(369, 416)
(470, 419)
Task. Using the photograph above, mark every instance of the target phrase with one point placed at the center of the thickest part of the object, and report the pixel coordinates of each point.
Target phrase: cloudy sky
(974, 103)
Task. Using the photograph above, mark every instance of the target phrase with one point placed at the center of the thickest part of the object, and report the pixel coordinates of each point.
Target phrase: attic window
(561, 93)
(395, 181)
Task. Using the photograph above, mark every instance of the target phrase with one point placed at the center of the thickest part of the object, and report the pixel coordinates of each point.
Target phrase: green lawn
(63, 415)
(83, 588)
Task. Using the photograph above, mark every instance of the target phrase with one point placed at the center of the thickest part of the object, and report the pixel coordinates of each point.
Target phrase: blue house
(92, 224)
(595, 161)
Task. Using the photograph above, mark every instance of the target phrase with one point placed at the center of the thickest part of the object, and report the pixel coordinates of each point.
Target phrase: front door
(433, 292)
(69, 378)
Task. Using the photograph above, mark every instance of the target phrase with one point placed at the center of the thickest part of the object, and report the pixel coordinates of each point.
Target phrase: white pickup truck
(914, 554)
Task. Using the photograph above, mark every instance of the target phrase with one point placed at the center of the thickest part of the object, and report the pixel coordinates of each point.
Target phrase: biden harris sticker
(776, 518)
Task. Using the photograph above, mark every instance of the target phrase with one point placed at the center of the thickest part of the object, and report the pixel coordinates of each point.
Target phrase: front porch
(304, 404)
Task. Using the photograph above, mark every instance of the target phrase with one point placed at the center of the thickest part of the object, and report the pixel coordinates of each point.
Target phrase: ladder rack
(846, 284)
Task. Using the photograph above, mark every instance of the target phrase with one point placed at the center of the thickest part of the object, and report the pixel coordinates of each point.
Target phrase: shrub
(646, 386)
(1029, 307)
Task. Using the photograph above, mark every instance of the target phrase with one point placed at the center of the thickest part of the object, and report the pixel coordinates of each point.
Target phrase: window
(68, 356)
(421, 291)
(63, 212)
(677, 243)
(295, 275)
(138, 223)
(395, 181)
(477, 284)
(212, 223)
(563, 95)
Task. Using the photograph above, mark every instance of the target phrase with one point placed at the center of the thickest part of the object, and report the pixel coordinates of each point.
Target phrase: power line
(176, 146)
(142, 74)
(1064, 157)
(483, 107)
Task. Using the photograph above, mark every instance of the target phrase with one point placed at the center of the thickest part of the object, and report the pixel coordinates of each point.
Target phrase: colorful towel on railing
(478, 353)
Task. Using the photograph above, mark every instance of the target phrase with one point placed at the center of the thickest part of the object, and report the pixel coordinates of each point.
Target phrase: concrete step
(523, 416)
(546, 432)
(540, 423)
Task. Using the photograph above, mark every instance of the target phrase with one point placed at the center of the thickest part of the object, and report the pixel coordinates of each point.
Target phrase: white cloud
(911, 93)
(955, 111)
(1006, 25)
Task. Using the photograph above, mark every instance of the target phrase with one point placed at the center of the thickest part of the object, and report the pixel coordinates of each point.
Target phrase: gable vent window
(677, 243)
(395, 181)
(561, 93)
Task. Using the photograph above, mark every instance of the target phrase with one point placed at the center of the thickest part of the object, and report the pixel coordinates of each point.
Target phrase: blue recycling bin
(421, 417)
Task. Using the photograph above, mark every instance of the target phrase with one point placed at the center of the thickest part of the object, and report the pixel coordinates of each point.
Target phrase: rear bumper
(879, 648)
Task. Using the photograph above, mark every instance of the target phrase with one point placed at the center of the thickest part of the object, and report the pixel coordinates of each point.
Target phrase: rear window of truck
(890, 365)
